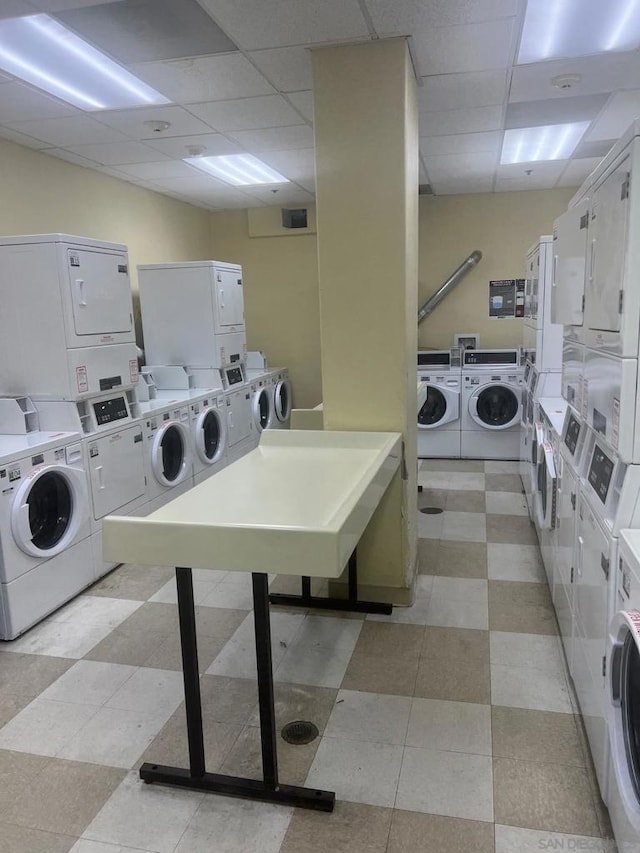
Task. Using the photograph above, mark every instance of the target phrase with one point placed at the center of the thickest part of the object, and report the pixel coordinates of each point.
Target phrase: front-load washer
(623, 696)
(45, 552)
(262, 410)
(492, 382)
(281, 399)
(208, 423)
(167, 449)
(439, 415)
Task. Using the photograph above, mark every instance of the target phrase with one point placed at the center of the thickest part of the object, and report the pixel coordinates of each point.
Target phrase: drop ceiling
(238, 76)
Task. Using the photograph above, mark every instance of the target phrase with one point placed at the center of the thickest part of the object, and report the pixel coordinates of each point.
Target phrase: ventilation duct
(466, 266)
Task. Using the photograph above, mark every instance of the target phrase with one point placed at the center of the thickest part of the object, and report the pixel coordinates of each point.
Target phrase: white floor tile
(458, 480)
(89, 682)
(424, 586)
(150, 691)
(414, 615)
(453, 726)
(329, 632)
(358, 771)
(369, 716)
(515, 563)
(461, 589)
(114, 737)
(506, 503)
(501, 466)
(86, 846)
(146, 817)
(430, 526)
(446, 783)
(464, 527)
(235, 826)
(512, 838)
(167, 594)
(537, 689)
(445, 612)
(526, 650)
(43, 727)
(228, 594)
(314, 665)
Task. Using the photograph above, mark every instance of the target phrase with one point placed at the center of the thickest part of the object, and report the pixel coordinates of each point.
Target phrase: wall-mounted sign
(506, 299)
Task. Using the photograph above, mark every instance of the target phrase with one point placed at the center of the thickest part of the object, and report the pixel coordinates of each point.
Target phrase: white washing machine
(492, 382)
(242, 437)
(609, 501)
(439, 415)
(623, 696)
(262, 410)
(167, 449)
(282, 399)
(45, 551)
(208, 424)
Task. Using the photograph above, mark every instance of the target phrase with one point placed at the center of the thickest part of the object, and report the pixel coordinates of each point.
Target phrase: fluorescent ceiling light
(42, 52)
(555, 29)
(530, 144)
(239, 170)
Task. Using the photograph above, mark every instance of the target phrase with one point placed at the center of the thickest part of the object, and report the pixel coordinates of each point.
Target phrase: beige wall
(502, 226)
(42, 194)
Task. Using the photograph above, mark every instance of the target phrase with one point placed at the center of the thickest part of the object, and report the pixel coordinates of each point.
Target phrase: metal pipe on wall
(468, 264)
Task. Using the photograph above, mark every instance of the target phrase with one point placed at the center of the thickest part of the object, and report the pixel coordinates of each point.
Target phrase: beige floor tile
(470, 466)
(453, 559)
(388, 639)
(300, 702)
(387, 674)
(466, 501)
(503, 482)
(170, 744)
(506, 503)
(30, 674)
(410, 830)
(133, 582)
(228, 700)
(245, 758)
(463, 644)
(510, 839)
(432, 497)
(453, 726)
(168, 654)
(457, 681)
(18, 839)
(521, 607)
(536, 736)
(460, 480)
(510, 528)
(127, 646)
(551, 797)
(350, 828)
(501, 466)
(463, 527)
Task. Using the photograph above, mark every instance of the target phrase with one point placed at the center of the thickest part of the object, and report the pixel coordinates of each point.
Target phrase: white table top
(297, 504)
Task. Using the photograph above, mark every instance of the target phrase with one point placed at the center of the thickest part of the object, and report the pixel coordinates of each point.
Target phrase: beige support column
(366, 132)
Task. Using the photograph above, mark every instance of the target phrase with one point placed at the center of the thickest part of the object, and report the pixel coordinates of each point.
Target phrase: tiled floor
(445, 727)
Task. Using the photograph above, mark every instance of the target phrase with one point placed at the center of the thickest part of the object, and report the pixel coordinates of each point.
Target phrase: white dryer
(208, 423)
(542, 338)
(623, 696)
(281, 399)
(45, 551)
(439, 415)
(492, 382)
(167, 449)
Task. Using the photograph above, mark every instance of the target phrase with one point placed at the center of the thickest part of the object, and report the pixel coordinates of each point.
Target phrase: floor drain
(431, 510)
(299, 732)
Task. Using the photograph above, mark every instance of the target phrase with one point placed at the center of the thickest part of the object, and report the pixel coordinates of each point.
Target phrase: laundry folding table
(297, 504)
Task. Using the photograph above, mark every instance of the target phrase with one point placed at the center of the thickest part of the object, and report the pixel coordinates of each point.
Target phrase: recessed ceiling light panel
(531, 144)
(555, 29)
(40, 51)
(239, 170)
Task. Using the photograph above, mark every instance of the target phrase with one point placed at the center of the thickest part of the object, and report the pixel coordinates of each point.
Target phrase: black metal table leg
(352, 603)
(267, 789)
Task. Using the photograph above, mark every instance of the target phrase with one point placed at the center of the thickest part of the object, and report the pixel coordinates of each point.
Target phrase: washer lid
(495, 406)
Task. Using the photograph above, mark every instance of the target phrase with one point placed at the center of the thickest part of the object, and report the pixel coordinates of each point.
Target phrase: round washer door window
(50, 504)
(210, 436)
(282, 400)
(263, 410)
(433, 409)
(173, 452)
(630, 707)
(497, 406)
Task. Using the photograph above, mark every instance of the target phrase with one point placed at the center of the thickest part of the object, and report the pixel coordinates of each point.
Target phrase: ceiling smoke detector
(195, 150)
(157, 126)
(565, 81)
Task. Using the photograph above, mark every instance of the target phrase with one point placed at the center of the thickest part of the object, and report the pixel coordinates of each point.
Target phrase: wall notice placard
(506, 299)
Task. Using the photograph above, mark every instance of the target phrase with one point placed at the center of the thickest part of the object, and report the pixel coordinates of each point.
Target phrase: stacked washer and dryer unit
(68, 351)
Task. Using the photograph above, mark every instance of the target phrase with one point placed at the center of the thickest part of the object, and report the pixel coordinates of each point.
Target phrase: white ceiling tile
(532, 182)
(554, 111)
(461, 91)
(577, 171)
(602, 73)
(472, 47)
(69, 130)
(117, 153)
(20, 103)
(303, 102)
(131, 122)
(205, 188)
(548, 171)
(450, 166)
(176, 146)
(287, 194)
(309, 186)
(297, 165)
(464, 143)
(21, 138)
(207, 78)
(462, 186)
(473, 120)
(406, 16)
(275, 139)
(288, 68)
(247, 113)
(615, 118)
(63, 5)
(17, 8)
(254, 24)
(76, 159)
(143, 172)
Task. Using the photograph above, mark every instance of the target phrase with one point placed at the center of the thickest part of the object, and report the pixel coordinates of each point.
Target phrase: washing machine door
(495, 406)
(170, 460)
(282, 400)
(624, 710)
(261, 409)
(48, 510)
(547, 485)
(210, 435)
(442, 406)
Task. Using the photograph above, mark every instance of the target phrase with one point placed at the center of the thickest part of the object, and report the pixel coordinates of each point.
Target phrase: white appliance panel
(116, 470)
(100, 292)
(569, 265)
